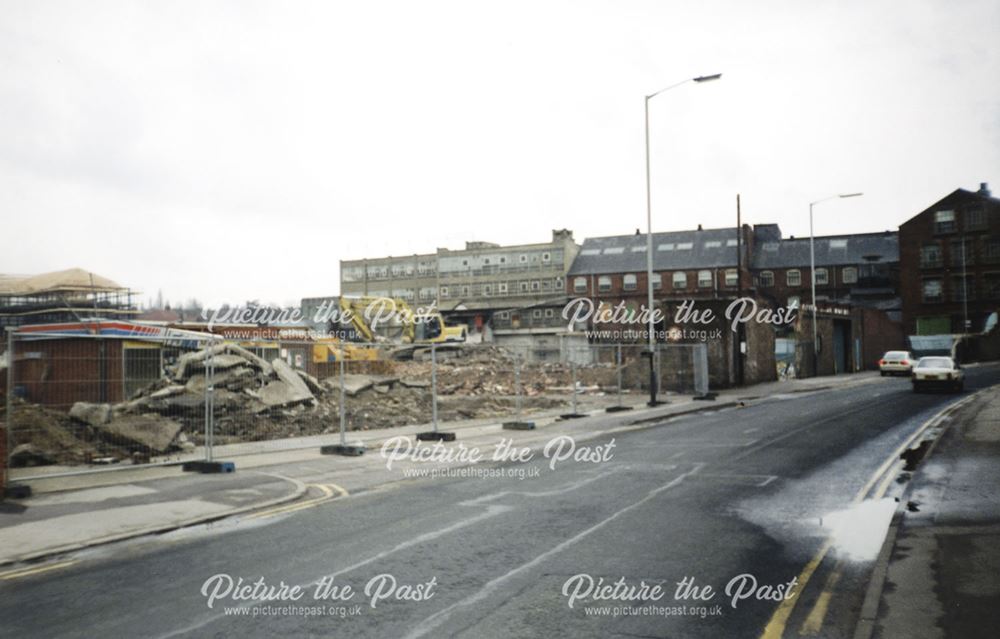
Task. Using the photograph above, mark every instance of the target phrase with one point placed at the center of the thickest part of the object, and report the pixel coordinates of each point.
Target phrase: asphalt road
(757, 490)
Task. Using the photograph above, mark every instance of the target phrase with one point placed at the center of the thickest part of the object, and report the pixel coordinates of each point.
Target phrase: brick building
(702, 266)
(859, 269)
(950, 264)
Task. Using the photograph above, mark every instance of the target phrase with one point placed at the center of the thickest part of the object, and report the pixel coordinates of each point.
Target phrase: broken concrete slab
(93, 414)
(314, 386)
(278, 393)
(354, 384)
(229, 355)
(225, 361)
(29, 455)
(153, 432)
(415, 383)
(167, 391)
(288, 375)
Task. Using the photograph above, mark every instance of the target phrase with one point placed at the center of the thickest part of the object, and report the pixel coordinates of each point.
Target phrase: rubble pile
(257, 400)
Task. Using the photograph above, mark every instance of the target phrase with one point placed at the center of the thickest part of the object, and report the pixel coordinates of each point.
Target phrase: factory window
(629, 282)
(604, 283)
(849, 275)
(932, 290)
(579, 284)
(730, 277)
(680, 279)
(704, 279)
(930, 255)
(944, 221)
(822, 277)
(793, 277)
(657, 281)
(766, 278)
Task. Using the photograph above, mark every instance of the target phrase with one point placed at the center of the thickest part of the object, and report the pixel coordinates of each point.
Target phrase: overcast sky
(237, 150)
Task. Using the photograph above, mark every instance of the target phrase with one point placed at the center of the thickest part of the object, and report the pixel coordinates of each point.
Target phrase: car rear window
(934, 362)
(896, 355)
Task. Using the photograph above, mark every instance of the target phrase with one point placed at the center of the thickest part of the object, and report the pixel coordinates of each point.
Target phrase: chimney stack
(984, 189)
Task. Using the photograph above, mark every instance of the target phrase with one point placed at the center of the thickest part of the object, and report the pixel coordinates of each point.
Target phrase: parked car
(938, 372)
(896, 363)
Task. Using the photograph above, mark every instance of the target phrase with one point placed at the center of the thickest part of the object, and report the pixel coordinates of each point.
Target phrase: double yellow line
(330, 492)
(35, 570)
(813, 623)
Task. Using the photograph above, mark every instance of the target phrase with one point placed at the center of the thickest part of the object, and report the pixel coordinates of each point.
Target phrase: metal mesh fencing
(95, 401)
(81, 402)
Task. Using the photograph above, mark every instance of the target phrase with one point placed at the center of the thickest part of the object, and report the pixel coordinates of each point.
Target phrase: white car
(939, 372)
(896, 363)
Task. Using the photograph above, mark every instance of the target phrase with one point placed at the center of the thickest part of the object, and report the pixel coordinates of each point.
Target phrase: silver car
(938, 372)
(896, 363)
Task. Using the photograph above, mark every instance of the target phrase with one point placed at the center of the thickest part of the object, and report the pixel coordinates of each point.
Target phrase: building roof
(831, 250)
(74, 279)
(709, 248)
(959, 195)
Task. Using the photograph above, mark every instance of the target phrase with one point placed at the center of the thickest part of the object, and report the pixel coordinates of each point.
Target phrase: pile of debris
(257, 400)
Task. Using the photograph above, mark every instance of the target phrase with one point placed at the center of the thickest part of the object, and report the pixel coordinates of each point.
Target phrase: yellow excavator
(391, 320)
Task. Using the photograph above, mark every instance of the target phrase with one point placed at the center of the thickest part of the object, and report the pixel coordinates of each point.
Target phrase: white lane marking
(435, 620)
(767, 481)
(544, 493)
(750, 430)
(491, 511)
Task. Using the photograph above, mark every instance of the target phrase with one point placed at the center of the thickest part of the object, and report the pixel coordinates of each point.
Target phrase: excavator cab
(427, 328)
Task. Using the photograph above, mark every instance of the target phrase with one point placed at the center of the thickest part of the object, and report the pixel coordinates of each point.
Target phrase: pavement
(941, 574)
(790, 487)
(72, 511)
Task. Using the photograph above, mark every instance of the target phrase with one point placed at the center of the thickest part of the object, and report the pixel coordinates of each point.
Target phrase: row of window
(630, 281)
(793, 277)
(499, 289)
(495, 289)
(960, 252)
(974, 220)
(932, 288)
(536, 313)
(641, 248)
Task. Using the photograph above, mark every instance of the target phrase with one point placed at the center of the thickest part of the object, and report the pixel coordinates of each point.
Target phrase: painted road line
(27, 572)
(814, 620)
(328, 491)
(775, 628)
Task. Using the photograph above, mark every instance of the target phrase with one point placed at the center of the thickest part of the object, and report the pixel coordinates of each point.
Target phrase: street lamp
(649, 234)
(812, 272)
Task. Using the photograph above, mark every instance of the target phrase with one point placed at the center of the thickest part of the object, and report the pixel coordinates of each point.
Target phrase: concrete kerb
(300, 489)
(865, 627)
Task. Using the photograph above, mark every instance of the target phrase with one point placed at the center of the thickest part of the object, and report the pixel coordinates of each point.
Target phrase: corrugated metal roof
(830, 250)
(709, 248)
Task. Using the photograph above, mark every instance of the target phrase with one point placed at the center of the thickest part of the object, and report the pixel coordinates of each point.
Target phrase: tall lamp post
(649, 236)
(812, 273)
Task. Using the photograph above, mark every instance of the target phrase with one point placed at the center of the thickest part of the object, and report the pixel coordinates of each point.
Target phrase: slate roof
(831, 250)
(709, 248)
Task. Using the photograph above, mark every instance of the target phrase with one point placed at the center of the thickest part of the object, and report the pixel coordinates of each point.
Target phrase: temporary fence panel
(92, 402)
(83, 403)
